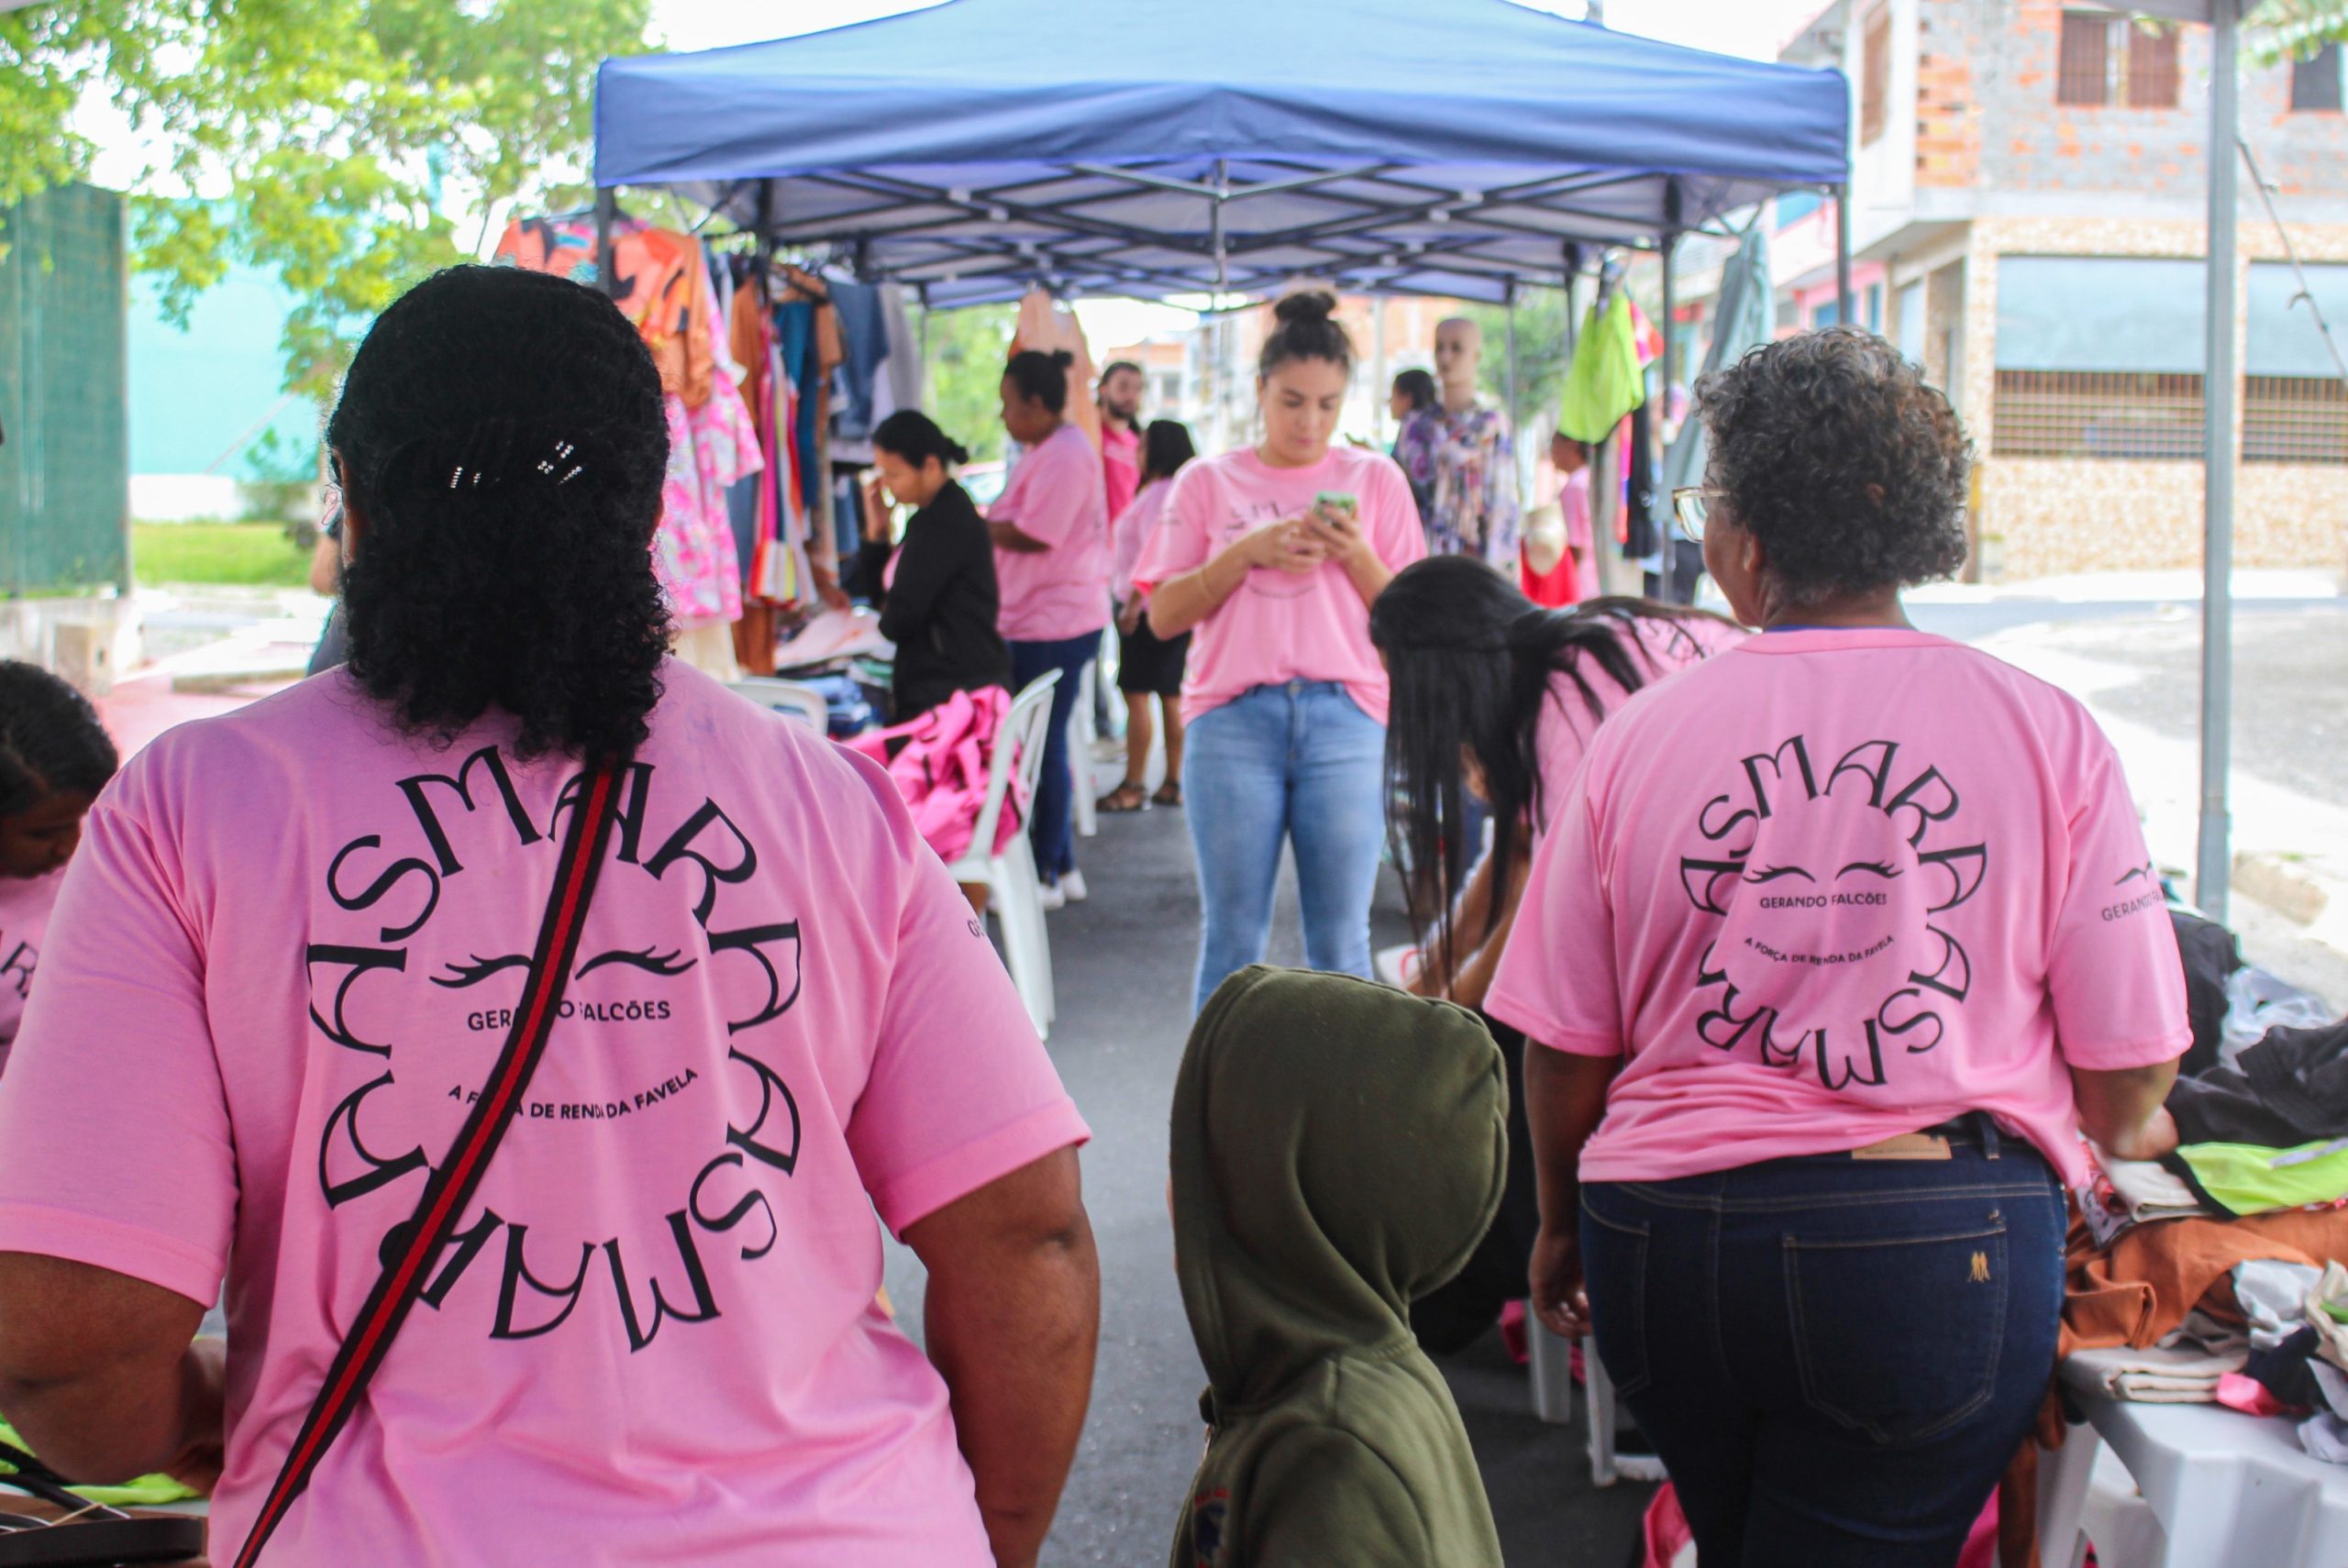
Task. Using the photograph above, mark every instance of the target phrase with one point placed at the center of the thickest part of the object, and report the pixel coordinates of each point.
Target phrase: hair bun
(1306, 307)
(1063, 358)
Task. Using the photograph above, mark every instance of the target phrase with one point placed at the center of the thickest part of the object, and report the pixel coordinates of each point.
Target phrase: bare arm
(2124, 1111)
(1014, 1322)
(1437, 967)
(1007, 536)
(1474, 981)
(1180, 603)
(1565, 1100)
(103, 1372)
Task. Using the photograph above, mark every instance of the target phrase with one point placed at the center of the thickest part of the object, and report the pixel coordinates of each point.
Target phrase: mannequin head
(1459, 355)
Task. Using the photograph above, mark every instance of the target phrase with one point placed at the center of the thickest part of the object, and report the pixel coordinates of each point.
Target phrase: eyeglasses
(1692, 504)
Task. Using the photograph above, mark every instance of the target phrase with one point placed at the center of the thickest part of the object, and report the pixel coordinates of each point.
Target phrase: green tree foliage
(343, 132)
(2285, 30)
(967, 350)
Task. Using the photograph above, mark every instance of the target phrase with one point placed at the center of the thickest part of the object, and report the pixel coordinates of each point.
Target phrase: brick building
(2027, 211)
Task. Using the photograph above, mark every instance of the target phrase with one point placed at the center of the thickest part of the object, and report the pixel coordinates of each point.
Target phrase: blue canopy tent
(982, 146)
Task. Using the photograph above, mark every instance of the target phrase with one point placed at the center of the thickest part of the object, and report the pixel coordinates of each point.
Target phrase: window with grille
(2315, 81)
(2151, 67)
(2097, 414)
(2084, 73)
(1875, 78)
(2294, 419)
(2105, 58)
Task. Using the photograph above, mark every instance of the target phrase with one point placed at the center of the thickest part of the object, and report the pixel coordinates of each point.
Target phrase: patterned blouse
(1463, 468)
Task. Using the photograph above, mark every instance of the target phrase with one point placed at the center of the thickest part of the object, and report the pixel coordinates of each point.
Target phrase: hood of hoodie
(1338, 1151)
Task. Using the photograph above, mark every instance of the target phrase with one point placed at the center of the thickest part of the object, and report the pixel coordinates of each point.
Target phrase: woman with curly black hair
(1876, 937)
(298, 937)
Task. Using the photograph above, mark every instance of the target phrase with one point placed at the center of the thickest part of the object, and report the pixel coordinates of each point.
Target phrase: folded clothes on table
(2185, 1369)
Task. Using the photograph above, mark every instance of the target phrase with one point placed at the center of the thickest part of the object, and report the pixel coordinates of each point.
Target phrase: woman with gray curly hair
(1843, 937)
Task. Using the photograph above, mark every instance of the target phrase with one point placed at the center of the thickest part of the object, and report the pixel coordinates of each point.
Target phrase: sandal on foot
(1124, 798)
(1167, 795)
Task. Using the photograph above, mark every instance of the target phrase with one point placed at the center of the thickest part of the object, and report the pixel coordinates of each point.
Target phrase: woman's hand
(876, 510)
(1337, 532)
(1559, 1298)
(1129, 617)
(1285, 545)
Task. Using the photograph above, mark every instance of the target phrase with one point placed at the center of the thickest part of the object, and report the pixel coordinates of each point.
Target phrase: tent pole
(2213, 867)
(1514, 425)
(1222, 318)
(1670, 373)
(1842, 252)
(608, 207)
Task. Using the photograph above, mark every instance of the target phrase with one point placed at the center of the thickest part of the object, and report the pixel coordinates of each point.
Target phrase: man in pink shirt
(1839, 940)
(296, 939)
(1120, 400)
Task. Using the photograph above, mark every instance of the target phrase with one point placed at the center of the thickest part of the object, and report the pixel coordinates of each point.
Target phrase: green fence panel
(64, 423)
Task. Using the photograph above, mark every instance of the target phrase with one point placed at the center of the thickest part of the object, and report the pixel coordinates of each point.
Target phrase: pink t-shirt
(1055, 496)
(1662, 647)
(24, 903)
(1120, 465)
(1280, 627)
(656, 1340)
(1131, 531)
(1833, 887)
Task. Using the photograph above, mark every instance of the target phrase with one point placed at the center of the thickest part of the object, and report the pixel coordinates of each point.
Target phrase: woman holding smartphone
(1273, 554)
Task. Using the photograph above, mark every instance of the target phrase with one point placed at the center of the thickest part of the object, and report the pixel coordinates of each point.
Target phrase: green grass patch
(243, 554)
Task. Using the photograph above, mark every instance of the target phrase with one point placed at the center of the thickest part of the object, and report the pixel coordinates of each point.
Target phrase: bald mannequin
(1458, 356)
(1460, 457)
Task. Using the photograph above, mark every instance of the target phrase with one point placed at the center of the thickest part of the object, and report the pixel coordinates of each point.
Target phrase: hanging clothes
(1605, 381)
(662, 284)
(710, 448)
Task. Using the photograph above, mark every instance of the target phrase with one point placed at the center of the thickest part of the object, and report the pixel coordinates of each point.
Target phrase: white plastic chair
(1014, 893)
(802, 703)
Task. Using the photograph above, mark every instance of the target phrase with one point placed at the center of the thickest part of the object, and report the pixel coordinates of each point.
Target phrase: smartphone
(1343, 501)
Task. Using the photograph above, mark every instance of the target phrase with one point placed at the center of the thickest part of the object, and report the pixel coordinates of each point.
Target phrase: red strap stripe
(444, 1197)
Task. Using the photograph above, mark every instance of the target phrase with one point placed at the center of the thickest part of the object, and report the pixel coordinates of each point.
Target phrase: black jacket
(941, 610)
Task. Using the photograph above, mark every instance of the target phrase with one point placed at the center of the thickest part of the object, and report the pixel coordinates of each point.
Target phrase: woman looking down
(1273, 554)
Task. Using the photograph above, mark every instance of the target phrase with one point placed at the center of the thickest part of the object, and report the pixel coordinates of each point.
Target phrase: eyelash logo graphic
(1834, 893)
(2144, 873)
(708, 1194)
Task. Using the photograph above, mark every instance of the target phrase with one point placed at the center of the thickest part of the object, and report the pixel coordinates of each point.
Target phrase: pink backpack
(940, 763)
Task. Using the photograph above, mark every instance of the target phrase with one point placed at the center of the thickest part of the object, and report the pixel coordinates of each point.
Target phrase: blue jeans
(1297, 761)
(1834, 1357)
(1051, 824)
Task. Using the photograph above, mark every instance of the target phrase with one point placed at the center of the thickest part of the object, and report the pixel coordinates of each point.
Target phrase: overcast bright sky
(1751, 27)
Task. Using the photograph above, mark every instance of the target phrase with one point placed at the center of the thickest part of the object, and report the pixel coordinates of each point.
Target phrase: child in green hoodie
(1338, 1149)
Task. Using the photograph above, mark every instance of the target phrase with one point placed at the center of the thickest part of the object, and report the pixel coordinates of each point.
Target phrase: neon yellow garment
(2242, 1179)
(147, 1491)
(1605, 381)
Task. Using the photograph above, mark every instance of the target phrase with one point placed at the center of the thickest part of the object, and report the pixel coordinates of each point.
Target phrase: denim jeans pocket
(1615, 1267)
(1897, 1337)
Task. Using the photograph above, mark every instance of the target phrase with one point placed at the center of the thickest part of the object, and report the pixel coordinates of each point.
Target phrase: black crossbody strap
(418, 1239)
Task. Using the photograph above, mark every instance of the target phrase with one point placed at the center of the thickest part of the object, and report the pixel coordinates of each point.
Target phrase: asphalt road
(1123, 965)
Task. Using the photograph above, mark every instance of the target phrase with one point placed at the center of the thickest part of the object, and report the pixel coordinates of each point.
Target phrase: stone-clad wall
(2039, 517)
